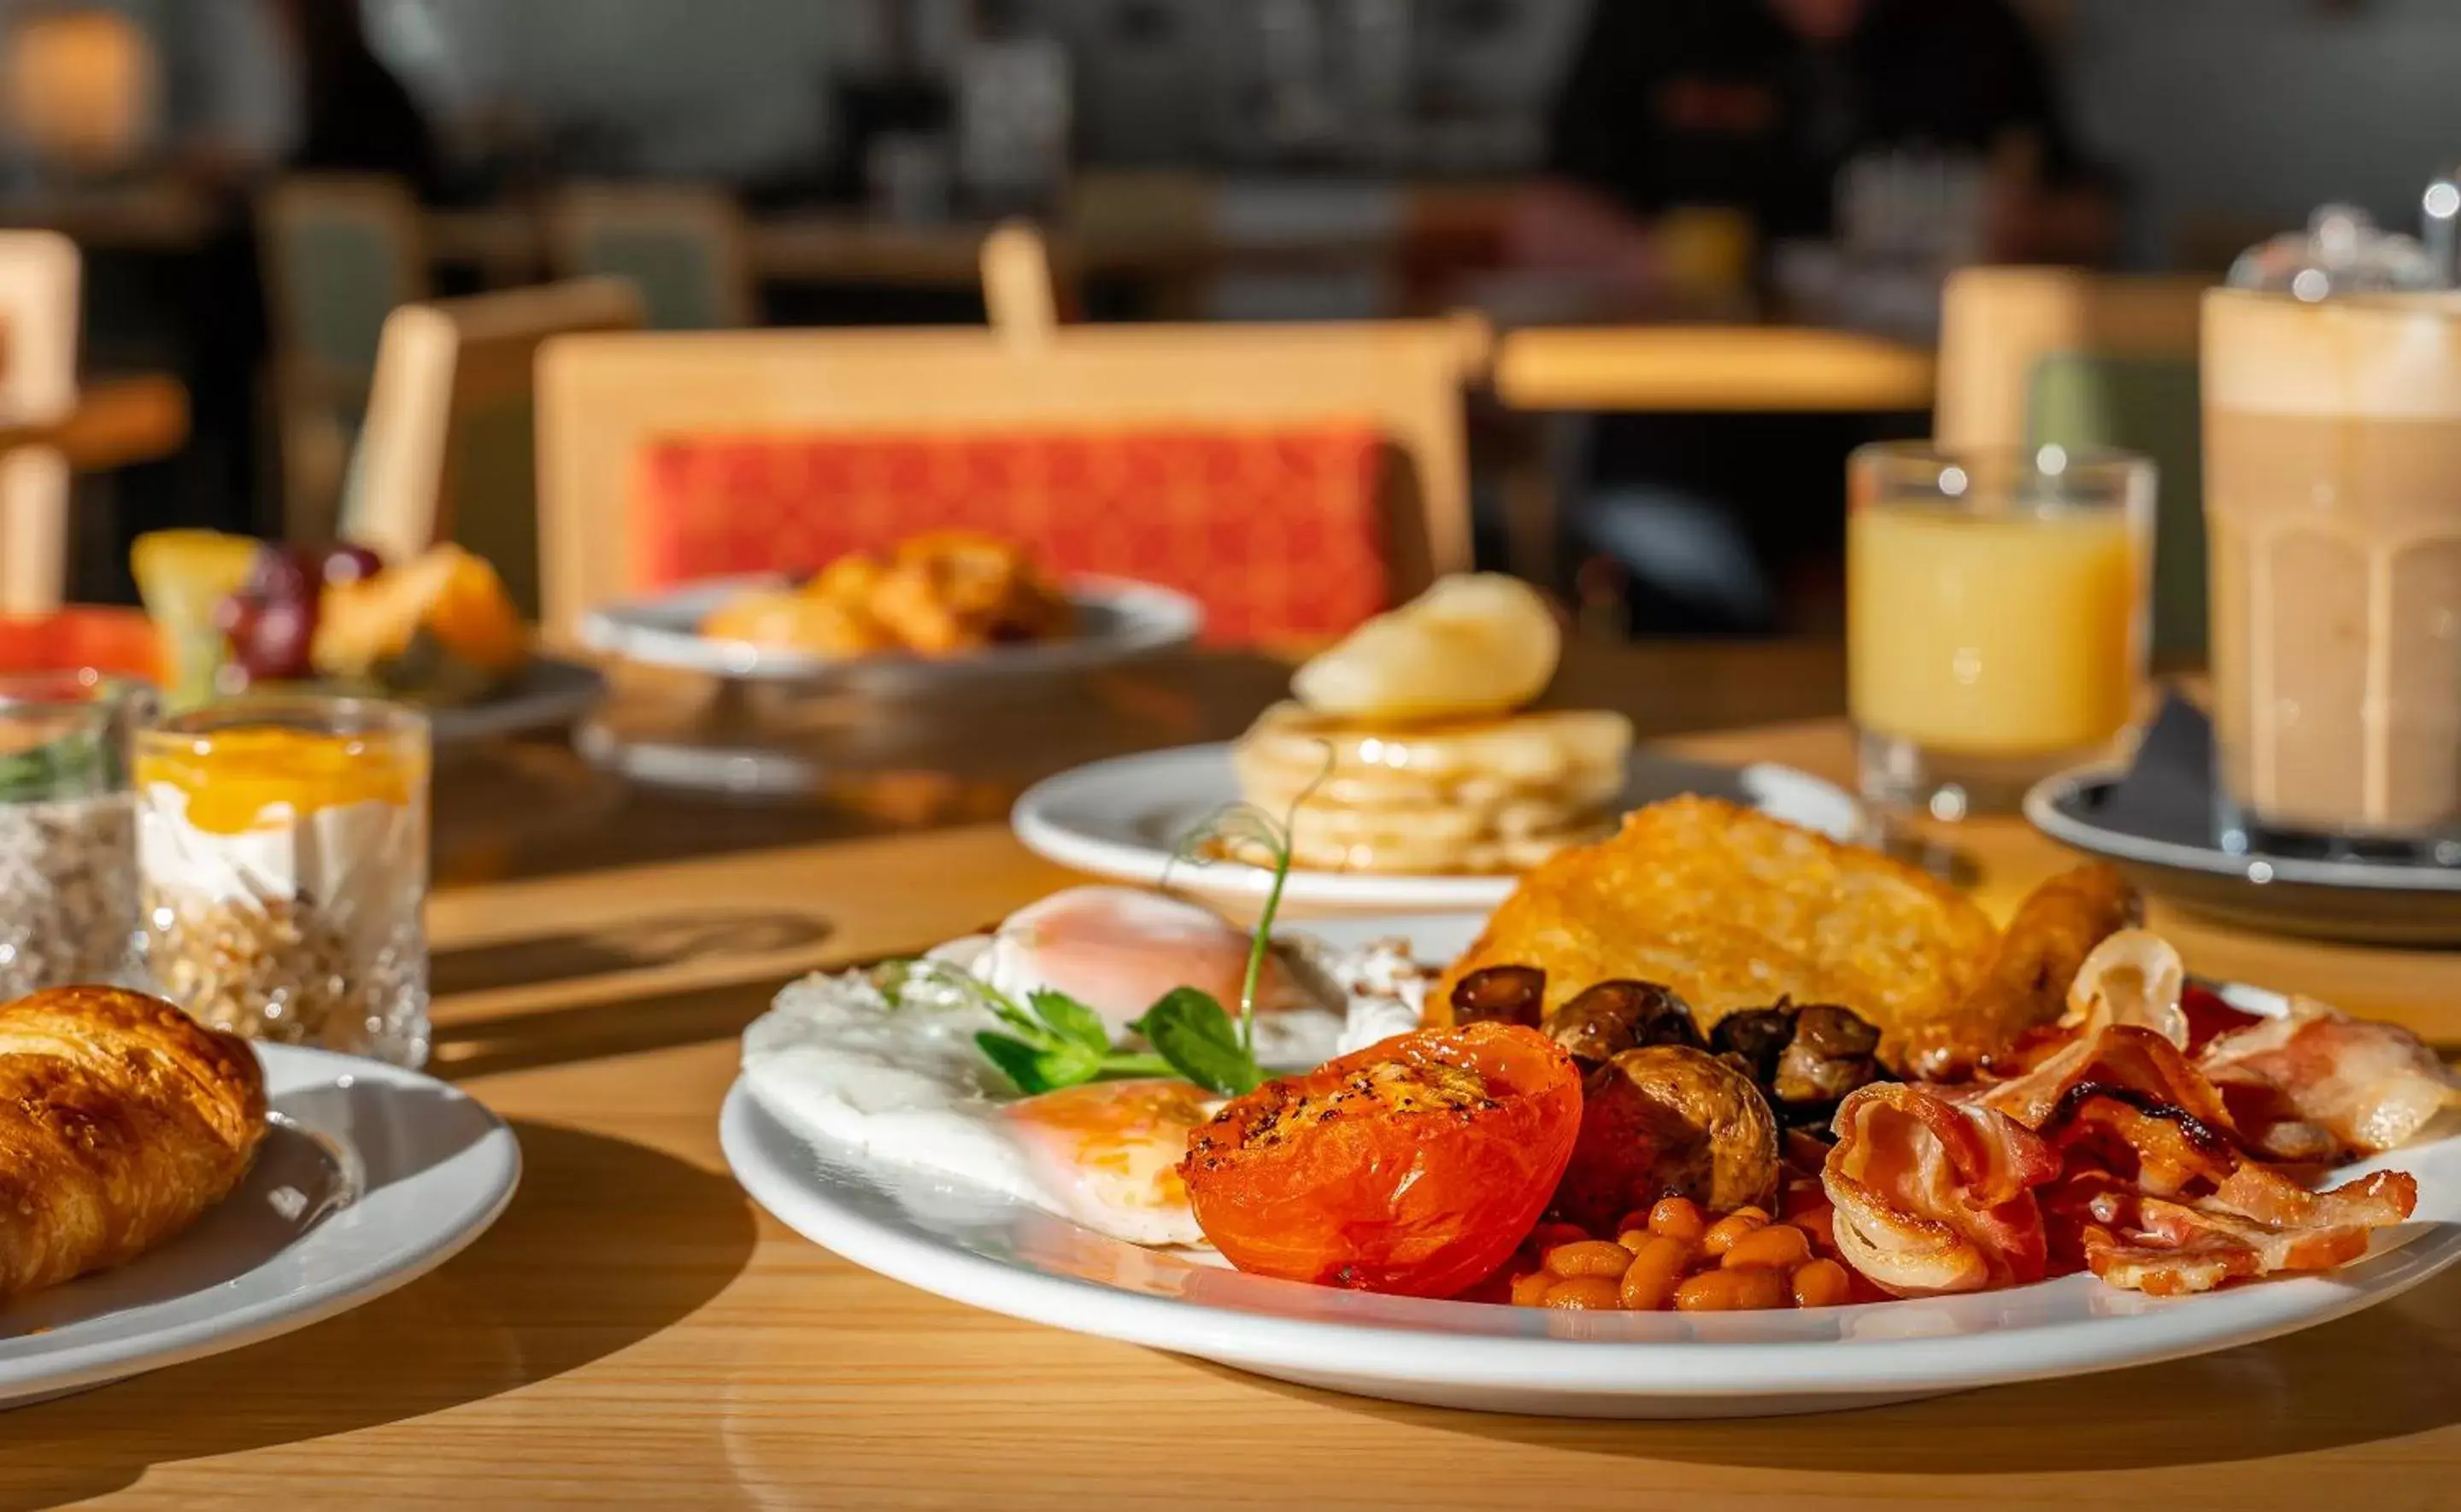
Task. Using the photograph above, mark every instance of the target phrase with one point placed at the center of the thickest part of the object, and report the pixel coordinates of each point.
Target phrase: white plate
(547, 695)
(995, 1254)
(1117, 620)
(370, 1177)
(1125, 819)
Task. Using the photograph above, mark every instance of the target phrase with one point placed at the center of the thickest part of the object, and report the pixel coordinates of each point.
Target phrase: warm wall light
(79, 86)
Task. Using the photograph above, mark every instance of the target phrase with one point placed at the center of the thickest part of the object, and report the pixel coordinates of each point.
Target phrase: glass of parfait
(1997, 614)
(68, 840)
(282, 846)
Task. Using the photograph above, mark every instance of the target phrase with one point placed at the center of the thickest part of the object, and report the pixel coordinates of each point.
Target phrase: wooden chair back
(340, 252)
(687, 248)
(2035, 356)
(40, 277)
(1020, 293)
(603, 398)
(448, 449)
(1997, 323)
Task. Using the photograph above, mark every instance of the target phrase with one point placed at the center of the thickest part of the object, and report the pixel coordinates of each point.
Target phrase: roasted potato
(937, 594)
(1611, 1018)
(822, 627)
(1668, 1121)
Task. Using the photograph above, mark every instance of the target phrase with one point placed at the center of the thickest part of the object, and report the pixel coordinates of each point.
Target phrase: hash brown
(1734, 909)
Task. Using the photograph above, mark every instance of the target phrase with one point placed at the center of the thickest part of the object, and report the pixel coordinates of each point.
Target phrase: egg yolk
(235, 778)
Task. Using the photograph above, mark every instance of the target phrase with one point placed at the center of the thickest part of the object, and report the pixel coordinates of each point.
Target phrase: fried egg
(1118, 949)
(907, 1085)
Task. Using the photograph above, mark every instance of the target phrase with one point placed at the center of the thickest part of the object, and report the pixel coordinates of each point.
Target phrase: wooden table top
(1690, 369)
(635, 1333)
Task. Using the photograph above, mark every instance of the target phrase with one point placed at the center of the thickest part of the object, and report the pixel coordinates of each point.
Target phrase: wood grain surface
(635, 1332)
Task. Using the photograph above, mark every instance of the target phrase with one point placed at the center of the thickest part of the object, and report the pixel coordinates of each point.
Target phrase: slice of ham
(1933, 1196)
(2315, 1084)
(2258, 1222)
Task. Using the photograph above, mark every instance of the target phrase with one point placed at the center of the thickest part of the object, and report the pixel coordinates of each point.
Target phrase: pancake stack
(1475, 796)
(1409, 749)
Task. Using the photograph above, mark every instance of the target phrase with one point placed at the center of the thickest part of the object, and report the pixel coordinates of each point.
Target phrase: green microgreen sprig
(1052, 1041)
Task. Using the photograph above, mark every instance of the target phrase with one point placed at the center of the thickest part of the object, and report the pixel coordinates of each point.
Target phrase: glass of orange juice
(1997, 604)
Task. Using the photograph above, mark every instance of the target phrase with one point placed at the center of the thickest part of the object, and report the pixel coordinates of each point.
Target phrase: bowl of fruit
(437, 631)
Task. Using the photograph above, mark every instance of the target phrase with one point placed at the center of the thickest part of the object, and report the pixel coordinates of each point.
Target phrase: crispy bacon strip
(2258, 1224)
(2122, 1055)
(2315, 1084)
(2159, 1147)
(1935, 1196)
(2133, 977)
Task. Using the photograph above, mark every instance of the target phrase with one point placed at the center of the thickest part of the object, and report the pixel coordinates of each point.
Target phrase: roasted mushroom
(1501, 994)
(1612, 1017)
(1804, 1059)
(1668, 1121)
(1756, 1038)
(1830, 1054)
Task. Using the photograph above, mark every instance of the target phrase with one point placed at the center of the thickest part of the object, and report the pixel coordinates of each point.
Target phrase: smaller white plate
(1125, 819)
(369, 1178)
(1117, 620)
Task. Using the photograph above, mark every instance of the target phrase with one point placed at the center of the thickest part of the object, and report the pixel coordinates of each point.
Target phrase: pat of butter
(1473, 645)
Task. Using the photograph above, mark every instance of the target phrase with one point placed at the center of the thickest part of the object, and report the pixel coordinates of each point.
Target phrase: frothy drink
(2333, 498)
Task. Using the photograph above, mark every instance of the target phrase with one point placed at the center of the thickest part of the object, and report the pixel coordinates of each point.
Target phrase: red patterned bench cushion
(1278, 532)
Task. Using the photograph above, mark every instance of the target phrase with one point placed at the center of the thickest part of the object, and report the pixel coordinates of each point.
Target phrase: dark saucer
(2157, 821)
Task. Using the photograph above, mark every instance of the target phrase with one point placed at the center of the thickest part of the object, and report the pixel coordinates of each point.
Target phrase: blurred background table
(865, 767)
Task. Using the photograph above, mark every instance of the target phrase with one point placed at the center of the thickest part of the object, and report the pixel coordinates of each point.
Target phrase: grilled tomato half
(1414, 1167)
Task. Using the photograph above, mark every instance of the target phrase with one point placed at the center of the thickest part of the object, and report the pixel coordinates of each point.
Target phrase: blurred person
(355, 116)
(1755, 106)
(263, 85)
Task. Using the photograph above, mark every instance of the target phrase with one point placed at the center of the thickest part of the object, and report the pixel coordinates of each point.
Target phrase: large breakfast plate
(1125, 819)
(369, 1178)
(1007, 1257)
(1117, 620)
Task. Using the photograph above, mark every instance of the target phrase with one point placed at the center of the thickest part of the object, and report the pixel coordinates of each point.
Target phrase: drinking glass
(1997, 604)
(2333, 502)
(282, 846)
(68, 843)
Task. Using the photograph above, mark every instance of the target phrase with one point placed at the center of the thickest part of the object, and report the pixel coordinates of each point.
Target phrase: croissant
(121, 1121)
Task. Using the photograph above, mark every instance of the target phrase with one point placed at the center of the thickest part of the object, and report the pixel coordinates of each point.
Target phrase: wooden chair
(447, 452)
(602, 400)
(340, 252)
(2033, 356)
(1021, 293)
(687, 249)
(40, 272)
